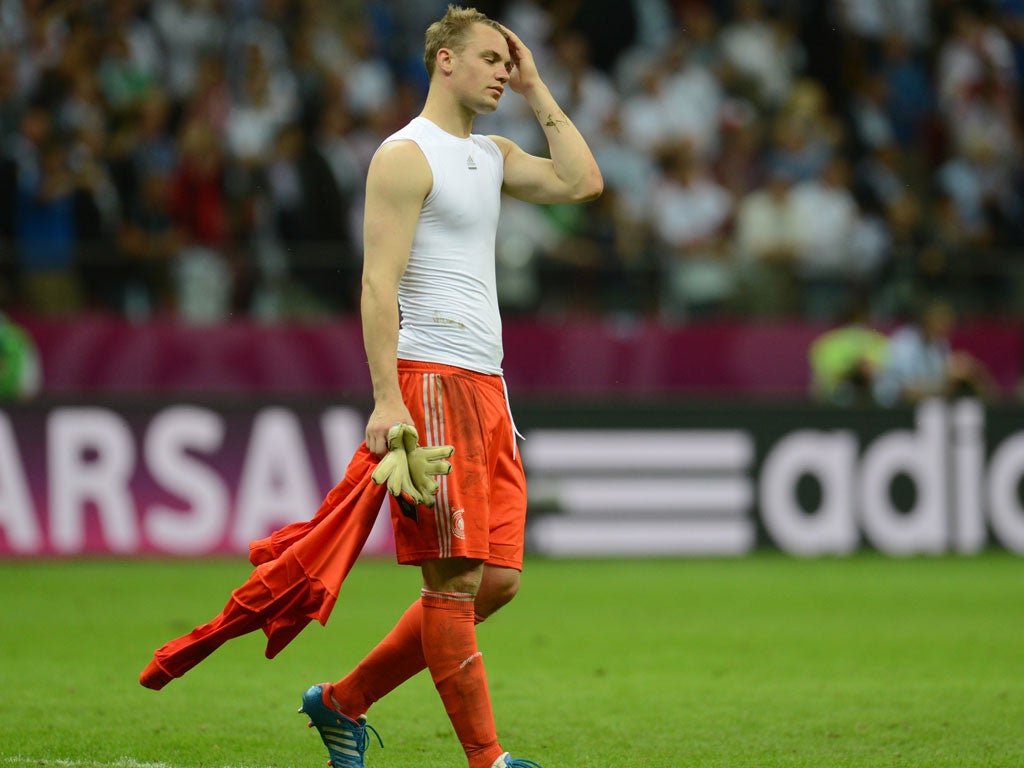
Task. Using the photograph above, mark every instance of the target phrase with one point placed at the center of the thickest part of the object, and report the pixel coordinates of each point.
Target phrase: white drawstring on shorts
(511, 421)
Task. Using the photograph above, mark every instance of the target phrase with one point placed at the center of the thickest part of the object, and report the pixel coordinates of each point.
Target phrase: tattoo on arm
(556, 124)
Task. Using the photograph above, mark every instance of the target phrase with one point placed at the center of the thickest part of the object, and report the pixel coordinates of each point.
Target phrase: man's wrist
(388, 405)
(535, 93)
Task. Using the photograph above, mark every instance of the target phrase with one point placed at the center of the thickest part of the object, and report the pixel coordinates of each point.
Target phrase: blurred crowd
(762, 158)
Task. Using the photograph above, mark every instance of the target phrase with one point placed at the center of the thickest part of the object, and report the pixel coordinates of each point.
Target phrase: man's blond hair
(451, 31)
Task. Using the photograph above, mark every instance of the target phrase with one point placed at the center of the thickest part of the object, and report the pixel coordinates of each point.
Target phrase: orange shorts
(480, 506)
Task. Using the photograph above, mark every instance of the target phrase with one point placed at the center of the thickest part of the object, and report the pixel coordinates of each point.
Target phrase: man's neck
(447, 114)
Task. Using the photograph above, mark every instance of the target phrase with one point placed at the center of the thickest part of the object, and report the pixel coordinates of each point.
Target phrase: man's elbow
(590, 187)
(377, 290)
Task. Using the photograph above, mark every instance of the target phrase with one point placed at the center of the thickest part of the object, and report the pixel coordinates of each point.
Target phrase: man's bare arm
(571, 174)
(397, 182)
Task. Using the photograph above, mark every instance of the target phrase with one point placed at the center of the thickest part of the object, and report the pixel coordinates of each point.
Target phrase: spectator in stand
(82, 105)
(825, 216)
(266, 101)
(263, 25)
(585, 91)
(805, 134)
(155, 149)
(742, 165)
(987, 134)
(975, 50)
(369, 84)
(315, 82)
(868, 114)
(922, 363)
(308, 213)
(691, 101)
(642, 113)
(40, 40)
(131, 19)
(150, 242)
(960, 179)
(97, 212)
(210, 101)
(19, 164)
(621, 258)
(910, 97)
(631, 174)
(691, 214)
(140, 144)
(767, 248)
(335, 141)
(204, 278)
(760, 53)
(124, 80)
(45, 239)
(191, 31)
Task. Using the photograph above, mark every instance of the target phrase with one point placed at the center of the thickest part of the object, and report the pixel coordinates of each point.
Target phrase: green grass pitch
(763, 661)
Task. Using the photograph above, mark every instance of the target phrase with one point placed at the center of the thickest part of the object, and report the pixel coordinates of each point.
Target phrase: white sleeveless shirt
(448, 296)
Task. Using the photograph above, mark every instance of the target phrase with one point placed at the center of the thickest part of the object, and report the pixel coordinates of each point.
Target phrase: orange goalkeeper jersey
(299, 572)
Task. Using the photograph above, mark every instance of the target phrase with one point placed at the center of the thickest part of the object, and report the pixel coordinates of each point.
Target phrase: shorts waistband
(486, 379)
(419, 366)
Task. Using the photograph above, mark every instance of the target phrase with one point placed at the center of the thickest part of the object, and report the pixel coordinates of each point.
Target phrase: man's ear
(445, 60)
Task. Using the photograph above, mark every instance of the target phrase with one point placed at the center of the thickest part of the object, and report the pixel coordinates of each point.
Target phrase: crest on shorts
(458, 524)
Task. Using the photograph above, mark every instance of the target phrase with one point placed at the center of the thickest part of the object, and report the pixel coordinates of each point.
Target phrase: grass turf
(764, 661)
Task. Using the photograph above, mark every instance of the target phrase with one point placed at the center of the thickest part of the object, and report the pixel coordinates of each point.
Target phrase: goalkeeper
(432, 200)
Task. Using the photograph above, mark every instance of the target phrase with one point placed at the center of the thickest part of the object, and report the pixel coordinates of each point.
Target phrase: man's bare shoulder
(399, 154)
(400, 161)
(506, 145)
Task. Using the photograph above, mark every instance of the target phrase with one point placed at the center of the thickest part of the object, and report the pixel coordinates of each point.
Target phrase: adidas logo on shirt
(470, 163)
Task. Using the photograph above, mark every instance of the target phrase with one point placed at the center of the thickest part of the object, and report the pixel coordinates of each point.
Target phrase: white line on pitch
(124, 762)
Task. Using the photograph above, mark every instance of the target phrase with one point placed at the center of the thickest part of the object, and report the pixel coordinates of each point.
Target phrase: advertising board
(606, 479)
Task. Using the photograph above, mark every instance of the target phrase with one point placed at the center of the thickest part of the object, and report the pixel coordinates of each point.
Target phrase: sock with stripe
(394, 660)
(457, 669)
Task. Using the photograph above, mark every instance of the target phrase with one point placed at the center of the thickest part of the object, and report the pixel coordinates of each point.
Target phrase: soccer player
(432, 201)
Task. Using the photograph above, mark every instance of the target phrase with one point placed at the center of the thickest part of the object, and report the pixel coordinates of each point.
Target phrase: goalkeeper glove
(426, 462)
(393, 469)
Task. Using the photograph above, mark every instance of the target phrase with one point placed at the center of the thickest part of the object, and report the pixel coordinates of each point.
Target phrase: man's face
(482, 68)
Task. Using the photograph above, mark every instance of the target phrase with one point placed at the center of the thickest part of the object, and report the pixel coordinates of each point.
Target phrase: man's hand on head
(524, 73)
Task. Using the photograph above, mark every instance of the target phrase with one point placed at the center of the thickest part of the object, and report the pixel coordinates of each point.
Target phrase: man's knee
(456, 574)
(497, 588)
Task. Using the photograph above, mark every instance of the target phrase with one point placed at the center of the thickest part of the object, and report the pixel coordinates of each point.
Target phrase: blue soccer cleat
(507, 761)
(346, 739)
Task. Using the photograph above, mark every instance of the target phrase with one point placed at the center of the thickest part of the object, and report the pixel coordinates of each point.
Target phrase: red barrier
(589, 357)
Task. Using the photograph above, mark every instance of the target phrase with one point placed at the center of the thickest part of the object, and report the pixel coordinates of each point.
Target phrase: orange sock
(396, 658)
(457, 668)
